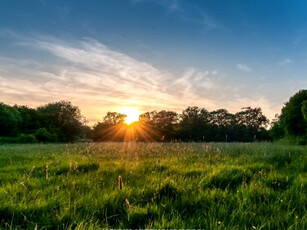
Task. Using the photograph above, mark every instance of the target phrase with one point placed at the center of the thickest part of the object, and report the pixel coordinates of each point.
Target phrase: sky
(153, 54)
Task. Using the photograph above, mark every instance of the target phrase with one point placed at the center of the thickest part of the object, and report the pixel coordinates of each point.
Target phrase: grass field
(165, 185)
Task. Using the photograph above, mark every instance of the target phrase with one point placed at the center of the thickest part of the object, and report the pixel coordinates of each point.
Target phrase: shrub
(42, 135)
(26, 138)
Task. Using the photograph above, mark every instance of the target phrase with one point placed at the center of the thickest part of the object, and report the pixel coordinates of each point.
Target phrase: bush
(26, 138)
(7, 140)
(42, 135)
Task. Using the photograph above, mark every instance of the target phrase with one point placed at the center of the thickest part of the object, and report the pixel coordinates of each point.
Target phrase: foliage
(159, 125)
(62, 118)
(111, 128)
(63, 122)
(194, 124)
(43, 135)
(304, 110)
(292, 118)
(114, 118)
(30, 119)
(26, 138)
(291, 125)
(166, 186)
(10, 119)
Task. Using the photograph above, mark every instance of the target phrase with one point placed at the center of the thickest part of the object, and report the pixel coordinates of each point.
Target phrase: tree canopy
(10, 120)
(292, 122)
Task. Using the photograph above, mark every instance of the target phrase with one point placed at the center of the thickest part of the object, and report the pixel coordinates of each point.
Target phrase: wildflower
(120, 183)
(281, 201)
(219, 222)
(296, 217)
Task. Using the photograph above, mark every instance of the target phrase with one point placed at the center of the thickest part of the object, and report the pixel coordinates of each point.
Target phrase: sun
(132, 114)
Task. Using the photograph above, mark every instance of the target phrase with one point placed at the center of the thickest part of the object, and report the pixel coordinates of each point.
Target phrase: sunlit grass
(153, 185)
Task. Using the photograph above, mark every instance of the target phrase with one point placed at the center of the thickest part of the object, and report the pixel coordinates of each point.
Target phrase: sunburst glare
(132, 114)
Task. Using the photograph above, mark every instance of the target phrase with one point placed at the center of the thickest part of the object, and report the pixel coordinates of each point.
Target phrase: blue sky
(153, 54)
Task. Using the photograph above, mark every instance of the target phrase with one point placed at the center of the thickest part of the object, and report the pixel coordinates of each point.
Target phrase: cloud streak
(99, 79)
(285, 61)
(244, 68)
(171, 5)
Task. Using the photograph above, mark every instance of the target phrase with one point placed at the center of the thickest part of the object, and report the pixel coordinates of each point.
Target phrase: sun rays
(132, 114)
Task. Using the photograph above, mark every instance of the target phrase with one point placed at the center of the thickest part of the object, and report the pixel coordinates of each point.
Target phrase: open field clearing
(153, 185)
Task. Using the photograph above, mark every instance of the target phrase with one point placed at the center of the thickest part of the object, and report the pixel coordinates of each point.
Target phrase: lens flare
(132, 114)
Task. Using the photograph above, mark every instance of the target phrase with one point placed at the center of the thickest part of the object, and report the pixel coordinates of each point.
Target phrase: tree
(62, 119)
(251, 117)
(30, 119)
(158, 125)
(222, 125)
(10, 120)
(112, 127)
(304, 110)
(195, 124)
(276, 131)
(221, 117)
(292, 114)
(114, 118)
(250, 122)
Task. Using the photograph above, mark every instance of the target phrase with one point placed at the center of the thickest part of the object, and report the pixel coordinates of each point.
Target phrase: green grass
(167, 185)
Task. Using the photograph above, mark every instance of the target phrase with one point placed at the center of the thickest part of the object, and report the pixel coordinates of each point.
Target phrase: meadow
(153, 185)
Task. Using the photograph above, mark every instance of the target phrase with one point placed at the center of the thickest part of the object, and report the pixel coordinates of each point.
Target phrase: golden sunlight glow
(132, 114)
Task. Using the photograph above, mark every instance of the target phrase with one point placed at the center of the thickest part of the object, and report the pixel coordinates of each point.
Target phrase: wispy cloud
(196, 16)
(171, 5)
(244, 68)
(99, 79)
(285, 61)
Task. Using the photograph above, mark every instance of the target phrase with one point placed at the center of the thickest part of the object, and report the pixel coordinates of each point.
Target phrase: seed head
(76, 166)
(47, 169)
(120, 183)
(127, 204)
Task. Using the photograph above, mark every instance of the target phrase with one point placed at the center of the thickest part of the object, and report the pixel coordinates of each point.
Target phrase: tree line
(194, 124)
(63, 122)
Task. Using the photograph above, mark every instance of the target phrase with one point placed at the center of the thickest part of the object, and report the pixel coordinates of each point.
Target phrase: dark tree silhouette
(30, 119)
(62, 119)
(113, 118)
(160, 125)
(10, 120)
(112, 127)
(292, 117)
(195, 124)
(304, 110)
